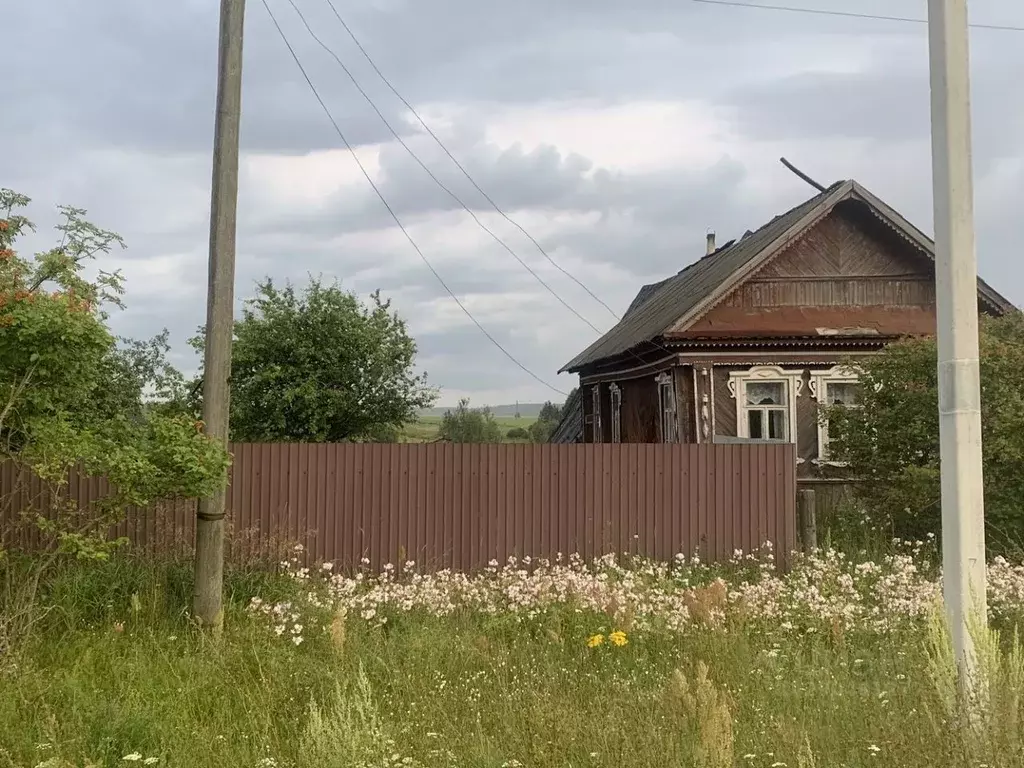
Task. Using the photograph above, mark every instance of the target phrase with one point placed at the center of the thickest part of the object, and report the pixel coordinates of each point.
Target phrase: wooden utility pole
(956, 294)
(207, 604)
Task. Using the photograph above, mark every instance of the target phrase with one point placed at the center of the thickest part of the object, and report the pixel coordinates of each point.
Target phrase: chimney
(711, 243)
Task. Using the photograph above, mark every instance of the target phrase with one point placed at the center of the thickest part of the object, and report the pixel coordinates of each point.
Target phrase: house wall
(639, 410)
(726, 417)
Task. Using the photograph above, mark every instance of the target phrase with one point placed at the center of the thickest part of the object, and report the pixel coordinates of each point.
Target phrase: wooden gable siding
(845, 272)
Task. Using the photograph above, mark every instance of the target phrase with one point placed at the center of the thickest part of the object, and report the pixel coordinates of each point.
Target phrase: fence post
(806, 509)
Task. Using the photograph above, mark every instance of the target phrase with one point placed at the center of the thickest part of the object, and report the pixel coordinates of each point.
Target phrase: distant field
(425, 428)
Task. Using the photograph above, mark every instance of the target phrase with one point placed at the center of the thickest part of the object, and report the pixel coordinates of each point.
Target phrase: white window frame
(820, 381)
(668, 423)
(616, 398)
(793, 380)
(595, 405)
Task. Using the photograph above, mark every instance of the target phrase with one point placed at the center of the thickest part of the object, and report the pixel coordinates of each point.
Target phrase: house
(744, 343)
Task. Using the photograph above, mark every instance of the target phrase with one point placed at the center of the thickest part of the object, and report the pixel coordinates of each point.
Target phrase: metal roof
(659, 306)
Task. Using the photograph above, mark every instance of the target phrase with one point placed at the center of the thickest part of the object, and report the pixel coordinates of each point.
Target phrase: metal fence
(462, 506)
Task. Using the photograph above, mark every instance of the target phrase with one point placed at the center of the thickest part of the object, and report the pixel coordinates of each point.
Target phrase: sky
(617, 134)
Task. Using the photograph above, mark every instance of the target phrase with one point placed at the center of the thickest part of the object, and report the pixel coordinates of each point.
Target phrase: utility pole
(956, 291)
(207, 605)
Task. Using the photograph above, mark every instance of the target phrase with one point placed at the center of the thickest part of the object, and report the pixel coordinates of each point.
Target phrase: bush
(892, 441)
(469, 425)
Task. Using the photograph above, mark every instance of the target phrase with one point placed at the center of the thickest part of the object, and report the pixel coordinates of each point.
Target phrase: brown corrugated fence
(461, 506)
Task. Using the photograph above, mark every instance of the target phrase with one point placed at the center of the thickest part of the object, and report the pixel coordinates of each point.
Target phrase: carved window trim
(595, 405)
(792, 379)
(667, 408)
(616, 398)
(820, 381)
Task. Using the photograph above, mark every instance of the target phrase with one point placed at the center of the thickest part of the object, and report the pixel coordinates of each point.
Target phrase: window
(667, 407)
(838, 386)
(766, 408)
(616, 394)
(596, 420)
(766, 402)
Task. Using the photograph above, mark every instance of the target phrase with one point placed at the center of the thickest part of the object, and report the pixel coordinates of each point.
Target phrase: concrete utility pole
(207, 602)
(956, 290)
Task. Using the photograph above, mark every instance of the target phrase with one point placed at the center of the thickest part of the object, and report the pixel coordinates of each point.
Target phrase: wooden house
(744, 343)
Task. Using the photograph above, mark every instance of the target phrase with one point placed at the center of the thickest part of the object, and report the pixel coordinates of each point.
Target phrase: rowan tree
(68, 397)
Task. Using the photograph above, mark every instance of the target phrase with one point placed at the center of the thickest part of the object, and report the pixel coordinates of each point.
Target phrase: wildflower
(133, 757)
(151, 761)
(874, 749)
(618, 638)
(118, 626)
(595, 640)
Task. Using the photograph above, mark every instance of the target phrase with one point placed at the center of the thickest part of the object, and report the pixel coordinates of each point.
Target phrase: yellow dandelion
(618, 638)
(595, 640)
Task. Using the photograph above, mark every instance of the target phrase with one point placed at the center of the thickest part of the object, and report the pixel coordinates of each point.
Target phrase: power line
(391, 211)
(431, 174)
(847, 14)
(462, 168)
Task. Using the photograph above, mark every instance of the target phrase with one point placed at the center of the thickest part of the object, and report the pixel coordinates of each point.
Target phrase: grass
(425, 428)
(117, 671)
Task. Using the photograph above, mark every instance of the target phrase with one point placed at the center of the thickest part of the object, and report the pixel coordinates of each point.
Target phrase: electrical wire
(847, 14)
(459, 165)
(391, 211)
(431, 174)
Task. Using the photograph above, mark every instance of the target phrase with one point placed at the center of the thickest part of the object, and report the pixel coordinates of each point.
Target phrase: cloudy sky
(616, 133)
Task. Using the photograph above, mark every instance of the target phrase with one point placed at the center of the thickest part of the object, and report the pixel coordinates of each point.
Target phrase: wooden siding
(842, 274)
(724, 403)
(462, 506)
(685, 404)
(639, 410)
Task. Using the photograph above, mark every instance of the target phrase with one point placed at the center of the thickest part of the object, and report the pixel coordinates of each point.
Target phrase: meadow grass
(514, 667)
(425, 428)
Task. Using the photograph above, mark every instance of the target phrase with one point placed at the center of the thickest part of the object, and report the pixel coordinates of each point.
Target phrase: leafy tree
(550, 412)
(891, 442)
(518, 434)
(469, 425)
(321, 366)
(69, 397)
(547, 422)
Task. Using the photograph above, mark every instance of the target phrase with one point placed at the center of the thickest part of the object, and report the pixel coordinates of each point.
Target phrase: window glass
(766, 393)
(845, 393)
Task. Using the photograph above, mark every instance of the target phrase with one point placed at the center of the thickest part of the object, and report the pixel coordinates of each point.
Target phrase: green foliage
(518, 434)
(550, 412)
(321, 366)
(892, 442)
(547, 422)
(120, 671)
(469, 425)
(69, 396)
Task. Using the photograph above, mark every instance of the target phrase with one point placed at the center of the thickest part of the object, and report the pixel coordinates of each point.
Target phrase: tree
(547, 421)
(891, 442)
(321, 366)
(69, 397)
(469, 425)
(550, 412)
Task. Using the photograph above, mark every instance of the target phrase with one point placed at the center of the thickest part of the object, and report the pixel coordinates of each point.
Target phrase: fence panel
(462, 506)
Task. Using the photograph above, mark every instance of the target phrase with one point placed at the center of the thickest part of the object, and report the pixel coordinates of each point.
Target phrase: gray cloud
(111, 108)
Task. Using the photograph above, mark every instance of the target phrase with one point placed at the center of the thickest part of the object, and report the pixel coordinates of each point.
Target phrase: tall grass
(117, 671)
